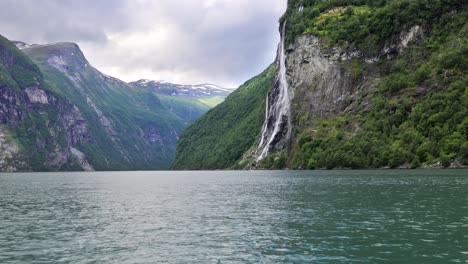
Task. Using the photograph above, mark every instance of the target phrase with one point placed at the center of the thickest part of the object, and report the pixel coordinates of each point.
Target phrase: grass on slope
(211, 101)
(16, 69)
(220, 137)
(187, 108)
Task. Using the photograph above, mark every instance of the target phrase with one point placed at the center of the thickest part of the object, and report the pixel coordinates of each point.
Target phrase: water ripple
(234, 217)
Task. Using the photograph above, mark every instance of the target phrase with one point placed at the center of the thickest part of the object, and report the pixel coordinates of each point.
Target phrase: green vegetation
(418, 116)
(187, 108)
(220, 137)
(365, 24)
(212, 101)
(6, 79)
(30, 130)
(16, 69)
(134, 115)
(128, 128)
(275, 161)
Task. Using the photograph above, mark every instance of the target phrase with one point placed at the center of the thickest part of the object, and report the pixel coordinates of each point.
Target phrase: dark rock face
(70, 127)
(74, 123)
(9, 106)
(322, 80)
(319, 82)
(68, 130)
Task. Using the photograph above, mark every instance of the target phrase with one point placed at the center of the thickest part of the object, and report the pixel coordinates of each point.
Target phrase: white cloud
(186, 41)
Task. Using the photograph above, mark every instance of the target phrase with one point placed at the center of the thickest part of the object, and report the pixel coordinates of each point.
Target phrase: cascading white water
(277, 126)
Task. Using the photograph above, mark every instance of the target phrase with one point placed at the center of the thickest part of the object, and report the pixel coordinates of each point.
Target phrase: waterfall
(277, 126)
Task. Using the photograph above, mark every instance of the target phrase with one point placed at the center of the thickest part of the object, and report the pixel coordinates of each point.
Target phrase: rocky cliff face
(327, 81)
(356, 100)
(359, 84)
(38, 128)
(324, 81)
(57, 112)
(318, 85)
(319, 81)
(10, 159)
(64, 128)
(129, 126)
(9, 106)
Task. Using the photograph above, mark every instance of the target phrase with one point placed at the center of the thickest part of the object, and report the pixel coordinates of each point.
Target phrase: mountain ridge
(168, 88)
(189, 102)
(395, 97)
(115, 126)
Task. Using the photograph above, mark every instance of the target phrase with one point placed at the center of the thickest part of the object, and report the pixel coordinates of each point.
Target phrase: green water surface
(383, 216)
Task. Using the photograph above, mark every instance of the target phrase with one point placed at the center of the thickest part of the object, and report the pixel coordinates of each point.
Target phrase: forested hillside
(372, 84)
(220, 138)
(417, 113)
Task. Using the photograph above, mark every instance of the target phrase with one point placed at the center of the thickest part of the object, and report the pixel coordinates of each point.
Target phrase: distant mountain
(57, 112)
(199, 90)
(189, 102)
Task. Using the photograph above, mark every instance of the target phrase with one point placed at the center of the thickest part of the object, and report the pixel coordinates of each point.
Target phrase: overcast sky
(224, 42)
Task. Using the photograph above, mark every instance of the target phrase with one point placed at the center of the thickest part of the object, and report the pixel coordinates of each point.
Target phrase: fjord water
(235, 217)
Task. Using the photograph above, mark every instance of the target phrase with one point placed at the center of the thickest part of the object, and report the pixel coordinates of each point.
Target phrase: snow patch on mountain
(198, 90)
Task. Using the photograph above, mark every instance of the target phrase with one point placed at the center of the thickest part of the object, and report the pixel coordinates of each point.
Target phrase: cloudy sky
(184, 41)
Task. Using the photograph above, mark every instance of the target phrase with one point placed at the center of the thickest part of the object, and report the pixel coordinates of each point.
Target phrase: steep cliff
(129, 127)
(276, 130)
(365, 98)
(366, 84)
(60, 113)
(39, 129)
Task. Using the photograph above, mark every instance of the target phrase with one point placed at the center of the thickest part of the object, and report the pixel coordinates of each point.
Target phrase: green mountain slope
(129, 126)
(60, 113)
(39, 129)
(372, 84)
(189, 109)
(16, 69)
(220, 137)
(416, 112)
(188, 102)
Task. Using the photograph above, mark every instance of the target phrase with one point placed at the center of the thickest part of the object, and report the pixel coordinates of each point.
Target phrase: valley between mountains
(356, 84)
(60, 113)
